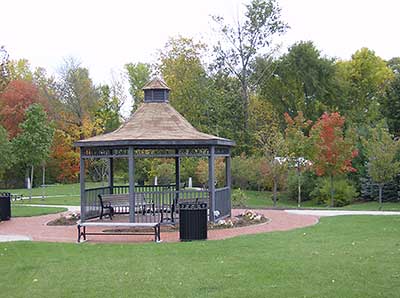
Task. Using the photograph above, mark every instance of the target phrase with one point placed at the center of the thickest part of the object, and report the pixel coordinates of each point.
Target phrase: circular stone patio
(36, 228)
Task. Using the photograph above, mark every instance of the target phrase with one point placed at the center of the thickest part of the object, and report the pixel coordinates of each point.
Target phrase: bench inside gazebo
(155, 130)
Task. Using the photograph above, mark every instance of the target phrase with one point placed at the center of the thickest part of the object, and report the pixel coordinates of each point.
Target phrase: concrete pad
(322, 213)
(9, 238)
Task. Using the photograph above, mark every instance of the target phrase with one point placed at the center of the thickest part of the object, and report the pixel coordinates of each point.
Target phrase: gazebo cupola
(156, 91)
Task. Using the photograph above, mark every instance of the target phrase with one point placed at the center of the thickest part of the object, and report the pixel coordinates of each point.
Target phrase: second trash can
(5, 206)
(192, 221)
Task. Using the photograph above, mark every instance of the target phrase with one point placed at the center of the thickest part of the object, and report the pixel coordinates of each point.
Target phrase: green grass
(263, 199)
(352, 256)
(26, 211)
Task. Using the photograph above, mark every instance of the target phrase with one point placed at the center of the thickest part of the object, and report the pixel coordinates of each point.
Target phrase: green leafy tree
(6, 154)
(138, 76)
(364, 80)
(299, 145)
(391, 102)
(381, 150)
(110, 103)
(301, 80)
(240, 44)
(32, 145)
(181, 66)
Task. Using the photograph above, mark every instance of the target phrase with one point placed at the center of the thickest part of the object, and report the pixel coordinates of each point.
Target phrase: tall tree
(301, 80)
(364, 80)
(4, 68)
(274, 150)
(138, 75)
(32, 145)
(6, 154)
(79, 100)
(240, 44)
(181, 66)
(381, 150)
(391, 101)
(332, 152)
(14, 100)
(298, 145)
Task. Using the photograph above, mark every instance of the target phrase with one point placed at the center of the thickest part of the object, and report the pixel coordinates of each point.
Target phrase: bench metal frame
(82, 232)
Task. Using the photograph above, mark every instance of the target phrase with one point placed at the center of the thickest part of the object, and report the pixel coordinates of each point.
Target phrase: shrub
(344, 192)
(307, 182)
(238, 198)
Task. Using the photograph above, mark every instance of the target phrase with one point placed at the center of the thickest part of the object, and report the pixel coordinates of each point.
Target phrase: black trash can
(5, 206)
(192, 221)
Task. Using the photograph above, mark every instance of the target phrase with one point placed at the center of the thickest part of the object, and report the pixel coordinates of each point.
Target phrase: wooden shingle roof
(155, 123)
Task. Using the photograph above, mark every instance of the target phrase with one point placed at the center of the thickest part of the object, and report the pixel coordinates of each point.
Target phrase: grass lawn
(263, 199)
(69, 194)
(25, 211)
(351, 256)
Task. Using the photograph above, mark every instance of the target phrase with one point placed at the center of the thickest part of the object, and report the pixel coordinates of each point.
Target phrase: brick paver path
(36, 228)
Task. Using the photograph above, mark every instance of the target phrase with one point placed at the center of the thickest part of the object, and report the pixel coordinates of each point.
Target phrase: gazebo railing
(222, 203)
(154, 203)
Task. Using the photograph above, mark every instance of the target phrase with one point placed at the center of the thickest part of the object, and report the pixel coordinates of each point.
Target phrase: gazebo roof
(155, 124)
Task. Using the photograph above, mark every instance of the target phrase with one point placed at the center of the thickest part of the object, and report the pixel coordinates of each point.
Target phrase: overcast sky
(104, 35)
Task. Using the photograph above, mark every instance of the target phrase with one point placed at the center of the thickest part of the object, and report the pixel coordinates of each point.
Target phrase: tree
(79, 100)
(275, 150)
(301, 80)
(4, 68)
(6, 154)
(298, 145)
(332, 151)
(391, 101)
(364, 80)
(191, 90)
(110, 103)
(138, 76)
(32, 145)
(381, 150)
(14, 100)
(240, 44)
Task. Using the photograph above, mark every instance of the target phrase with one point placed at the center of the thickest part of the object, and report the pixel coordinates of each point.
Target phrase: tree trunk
(332, 193)
(380, 195)
(30, 191)
(275, 191)
(245, 99)
(43, 179)
(298, 186)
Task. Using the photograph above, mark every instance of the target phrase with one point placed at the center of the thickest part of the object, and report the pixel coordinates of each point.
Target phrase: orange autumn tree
(332, 151)
(14, 100)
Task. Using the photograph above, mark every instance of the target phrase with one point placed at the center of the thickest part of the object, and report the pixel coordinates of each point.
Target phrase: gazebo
(156, 130)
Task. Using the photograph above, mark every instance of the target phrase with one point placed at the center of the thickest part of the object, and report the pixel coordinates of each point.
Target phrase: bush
(238, 198)
(307, 182)
(344, 192)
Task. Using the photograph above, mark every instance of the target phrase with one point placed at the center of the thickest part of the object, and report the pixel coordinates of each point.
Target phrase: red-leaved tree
(14, 100)
(332, 151)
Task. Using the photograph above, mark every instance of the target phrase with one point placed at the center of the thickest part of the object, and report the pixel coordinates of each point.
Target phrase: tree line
(301, 105)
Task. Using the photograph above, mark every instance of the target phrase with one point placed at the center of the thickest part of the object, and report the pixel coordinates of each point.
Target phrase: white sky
(104, 35)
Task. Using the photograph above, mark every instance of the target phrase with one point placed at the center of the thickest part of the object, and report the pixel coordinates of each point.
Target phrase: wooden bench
(83, 225)
(119, 203)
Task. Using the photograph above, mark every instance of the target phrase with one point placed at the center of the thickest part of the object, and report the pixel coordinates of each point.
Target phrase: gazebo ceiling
(155, 123)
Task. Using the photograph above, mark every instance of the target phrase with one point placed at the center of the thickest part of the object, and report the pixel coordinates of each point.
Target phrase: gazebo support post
(131, 164)
(111, 173)
(177, 176)
(82, 184)
(228, 177)
(211, 182)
